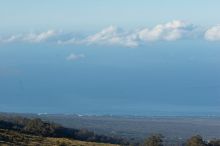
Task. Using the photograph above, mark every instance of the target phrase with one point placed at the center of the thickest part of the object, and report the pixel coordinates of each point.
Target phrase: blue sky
(96, 14)
(124, 57)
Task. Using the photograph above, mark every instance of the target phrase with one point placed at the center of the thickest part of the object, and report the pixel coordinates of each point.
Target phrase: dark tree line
(157, 140)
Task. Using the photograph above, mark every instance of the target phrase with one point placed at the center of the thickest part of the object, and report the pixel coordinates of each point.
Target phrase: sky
(142, 57)
(90, 15)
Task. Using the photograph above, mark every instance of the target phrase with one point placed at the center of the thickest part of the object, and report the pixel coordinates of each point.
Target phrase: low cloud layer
(114, 36)
(171, 31)
(30, 37)
(213, 33)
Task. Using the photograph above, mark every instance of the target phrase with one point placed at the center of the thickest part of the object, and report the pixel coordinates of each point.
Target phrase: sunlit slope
(13, 138)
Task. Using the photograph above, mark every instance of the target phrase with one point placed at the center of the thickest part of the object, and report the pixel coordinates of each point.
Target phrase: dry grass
(12, 138)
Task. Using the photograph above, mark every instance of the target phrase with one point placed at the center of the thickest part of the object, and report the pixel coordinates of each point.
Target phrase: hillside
(24, 131)
(10, 138)
(20, 131)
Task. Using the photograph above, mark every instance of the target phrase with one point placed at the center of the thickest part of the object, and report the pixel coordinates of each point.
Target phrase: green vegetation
(157, 140)
(154, 140)
(13, 138)
(196, 141)
(35, 132)
(37, 127)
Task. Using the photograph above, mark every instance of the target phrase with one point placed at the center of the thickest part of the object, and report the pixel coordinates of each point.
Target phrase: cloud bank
(169, 32)
(30, 37)
(43, 36)
(213, 33)
(112, 35)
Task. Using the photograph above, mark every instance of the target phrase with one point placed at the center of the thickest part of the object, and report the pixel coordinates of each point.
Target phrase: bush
(154, 140)
(196, 141)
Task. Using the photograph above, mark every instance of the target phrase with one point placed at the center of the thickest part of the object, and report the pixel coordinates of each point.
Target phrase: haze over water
(163, 78)
(94, 60)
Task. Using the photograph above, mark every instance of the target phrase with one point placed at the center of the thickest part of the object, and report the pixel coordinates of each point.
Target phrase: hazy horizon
(120, 58)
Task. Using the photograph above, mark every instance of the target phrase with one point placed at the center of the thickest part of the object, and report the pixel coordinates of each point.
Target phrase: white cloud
(169, 32)
(213, 33)
(74, 57)
(43, 36)
(112, 36)
(29, 37)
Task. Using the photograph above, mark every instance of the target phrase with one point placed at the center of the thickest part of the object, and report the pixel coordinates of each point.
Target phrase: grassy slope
(9, 138)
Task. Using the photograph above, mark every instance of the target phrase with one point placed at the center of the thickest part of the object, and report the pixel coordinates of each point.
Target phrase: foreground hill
(22, 131)
(32, 131)
(13, 138)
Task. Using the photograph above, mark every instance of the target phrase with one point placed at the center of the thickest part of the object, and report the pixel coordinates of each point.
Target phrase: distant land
(177, 128)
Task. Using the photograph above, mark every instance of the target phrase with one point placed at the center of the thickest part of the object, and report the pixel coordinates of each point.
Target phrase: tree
(215, 142)
(154, 140)
(196, 141)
